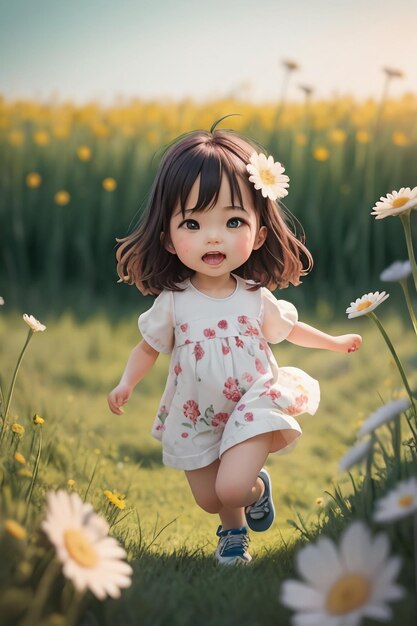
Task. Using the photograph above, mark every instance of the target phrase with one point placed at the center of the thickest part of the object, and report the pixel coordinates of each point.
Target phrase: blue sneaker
(233, 546)
(261, 514)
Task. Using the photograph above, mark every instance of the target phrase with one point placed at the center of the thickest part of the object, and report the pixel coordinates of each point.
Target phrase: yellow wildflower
(362, 136)
(71, 482)
(152, 137)
(301, 139)
(37, 419)
(41, 138)
(33, 180)
(109, 184)
(319, 501)
(399, 138)
(84, 153)
(25, 472)
(61, 131)
(19, 458)
(15, 529)
(18, 429)
(338, 135)
(321, 153)
(117, 499)
(16, 137)
(62, 198)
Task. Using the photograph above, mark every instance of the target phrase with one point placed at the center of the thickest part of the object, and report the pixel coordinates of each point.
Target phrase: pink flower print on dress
(191, 410)
(274, 394)
(248, 417)
(219, 418)
(160, 427)
(263, 345)
(209, 333)
(222, 324)
(248, 377)
(241, 407)
(198, 351)
(184, 435)
(232, 390)
(300, 403)
(239, 342)
(225, 347)
(243, 319)
(184, 327)
(251, 331)
(259, 367)
(177, 369)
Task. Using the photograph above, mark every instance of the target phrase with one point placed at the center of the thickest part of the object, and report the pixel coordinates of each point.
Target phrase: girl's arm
(310, 337)
(140, 361)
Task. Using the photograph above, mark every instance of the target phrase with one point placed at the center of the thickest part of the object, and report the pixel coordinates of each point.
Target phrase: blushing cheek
(243, 246)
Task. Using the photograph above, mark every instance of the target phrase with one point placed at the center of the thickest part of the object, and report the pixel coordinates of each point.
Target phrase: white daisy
(395, 203)
(355, 455)
(366, 303)
(268, 176)
(342, 586)
(396, 271)
(91, 559)
(383, 415)
(33, 323)
(399, 502)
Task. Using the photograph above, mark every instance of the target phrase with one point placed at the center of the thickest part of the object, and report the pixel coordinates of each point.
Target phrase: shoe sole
(234, 561)
(259, 526)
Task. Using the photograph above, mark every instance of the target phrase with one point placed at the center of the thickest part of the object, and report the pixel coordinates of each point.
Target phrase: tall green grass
(59, 246)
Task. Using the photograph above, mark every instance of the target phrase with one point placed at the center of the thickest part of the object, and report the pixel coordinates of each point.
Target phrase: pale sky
(104, 49)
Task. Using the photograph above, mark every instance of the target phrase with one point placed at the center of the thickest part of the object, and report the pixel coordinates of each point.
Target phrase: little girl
(211, 244)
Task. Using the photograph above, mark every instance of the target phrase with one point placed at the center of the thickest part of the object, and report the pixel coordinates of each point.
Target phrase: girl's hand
(348, 343)
(119, 396)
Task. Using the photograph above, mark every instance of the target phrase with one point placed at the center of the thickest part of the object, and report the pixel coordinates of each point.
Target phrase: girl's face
(218, 240)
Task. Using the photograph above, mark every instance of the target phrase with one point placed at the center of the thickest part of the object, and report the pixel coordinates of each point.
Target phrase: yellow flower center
(266, 177)
(399, 202)
(347, 594)
(406, 501)
(80, 549)
(364, 305)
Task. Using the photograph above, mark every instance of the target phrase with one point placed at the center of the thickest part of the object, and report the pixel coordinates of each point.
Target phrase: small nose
(213, 237)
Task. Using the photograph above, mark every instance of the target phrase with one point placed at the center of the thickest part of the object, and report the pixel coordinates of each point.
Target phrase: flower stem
(9, 397)
(405, 219)
(42, 592)
(404, 285)
(395, 356)
(415, 550)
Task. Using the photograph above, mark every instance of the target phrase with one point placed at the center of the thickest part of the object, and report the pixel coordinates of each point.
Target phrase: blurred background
(91, 92)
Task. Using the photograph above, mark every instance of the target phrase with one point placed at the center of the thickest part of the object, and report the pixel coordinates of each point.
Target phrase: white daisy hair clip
(268, 176)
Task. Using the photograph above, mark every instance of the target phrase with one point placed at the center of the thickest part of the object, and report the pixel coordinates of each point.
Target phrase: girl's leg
(237, 483)
(202, 482)
(203, 486)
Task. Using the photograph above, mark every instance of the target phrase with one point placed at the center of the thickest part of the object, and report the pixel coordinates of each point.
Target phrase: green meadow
(76, 177)
(170, 540)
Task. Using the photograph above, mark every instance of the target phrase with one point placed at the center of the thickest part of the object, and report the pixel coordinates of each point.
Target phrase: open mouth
(213, 258)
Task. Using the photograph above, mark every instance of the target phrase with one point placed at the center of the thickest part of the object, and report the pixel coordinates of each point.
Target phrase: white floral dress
(224, 385)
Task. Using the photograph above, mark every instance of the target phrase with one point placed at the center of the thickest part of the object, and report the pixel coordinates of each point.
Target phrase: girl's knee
(208, 502)
(232, 494)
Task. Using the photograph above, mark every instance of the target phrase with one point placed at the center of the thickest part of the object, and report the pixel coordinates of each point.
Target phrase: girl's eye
(190, 225)
(234, 222)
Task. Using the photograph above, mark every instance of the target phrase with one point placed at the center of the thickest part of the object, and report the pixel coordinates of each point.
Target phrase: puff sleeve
(157, 324)
(278, 317)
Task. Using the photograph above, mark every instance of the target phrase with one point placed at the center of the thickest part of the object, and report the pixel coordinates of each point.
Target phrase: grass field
(65, 377)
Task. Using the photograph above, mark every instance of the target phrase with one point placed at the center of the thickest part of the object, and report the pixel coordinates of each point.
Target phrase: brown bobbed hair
(142, 259)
